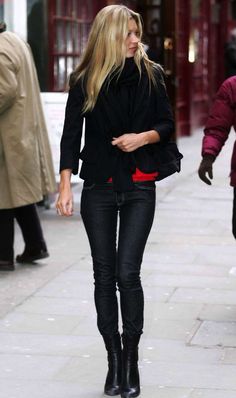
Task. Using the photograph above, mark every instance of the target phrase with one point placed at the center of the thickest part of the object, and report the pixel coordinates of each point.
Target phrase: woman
(121, 95)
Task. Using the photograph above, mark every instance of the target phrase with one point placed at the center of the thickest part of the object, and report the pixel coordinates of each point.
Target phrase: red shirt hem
(138, 175)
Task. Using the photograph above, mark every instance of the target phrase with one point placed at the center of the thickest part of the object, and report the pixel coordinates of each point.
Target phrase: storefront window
(1, 10)
(215, 13)
(151, 12)
(195, 8)
(37, 38)
(233, 9)
(69, 25)
(59, 11)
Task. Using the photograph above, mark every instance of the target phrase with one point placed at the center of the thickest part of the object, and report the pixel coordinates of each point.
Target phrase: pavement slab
(215, 333)
(198, 393)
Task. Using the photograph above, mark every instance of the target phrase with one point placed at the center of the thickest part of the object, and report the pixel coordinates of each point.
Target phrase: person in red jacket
(221, 118)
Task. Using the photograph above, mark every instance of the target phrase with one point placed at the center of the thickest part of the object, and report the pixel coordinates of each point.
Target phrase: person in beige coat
(26, 168)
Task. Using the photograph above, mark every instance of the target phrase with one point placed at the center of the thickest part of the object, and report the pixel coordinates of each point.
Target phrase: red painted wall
(204, 29)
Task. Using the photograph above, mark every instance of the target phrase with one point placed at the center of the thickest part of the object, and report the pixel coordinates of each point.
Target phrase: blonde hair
(105, 52)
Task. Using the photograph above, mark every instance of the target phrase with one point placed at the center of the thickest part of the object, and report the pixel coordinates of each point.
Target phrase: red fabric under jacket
(221, 118)
(140, 176)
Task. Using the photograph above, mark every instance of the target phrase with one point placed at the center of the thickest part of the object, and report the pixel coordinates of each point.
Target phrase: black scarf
(125, 103)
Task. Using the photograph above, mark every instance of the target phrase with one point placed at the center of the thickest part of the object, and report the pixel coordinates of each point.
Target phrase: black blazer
(110, 118)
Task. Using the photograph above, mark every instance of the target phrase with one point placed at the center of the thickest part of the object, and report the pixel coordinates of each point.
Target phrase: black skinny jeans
(117, 252)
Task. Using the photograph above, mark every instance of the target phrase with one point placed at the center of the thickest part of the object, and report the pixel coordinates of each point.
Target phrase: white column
(15, 16)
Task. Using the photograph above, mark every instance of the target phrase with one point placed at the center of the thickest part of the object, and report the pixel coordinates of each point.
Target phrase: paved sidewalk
(50, 347)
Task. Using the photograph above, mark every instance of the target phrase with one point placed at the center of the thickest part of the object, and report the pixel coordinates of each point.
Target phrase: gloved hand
(206, 168)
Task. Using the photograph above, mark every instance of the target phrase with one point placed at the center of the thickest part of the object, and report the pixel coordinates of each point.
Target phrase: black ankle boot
(130, 386)
(113, 379)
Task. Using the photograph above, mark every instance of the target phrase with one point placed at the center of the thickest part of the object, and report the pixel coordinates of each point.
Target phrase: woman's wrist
(150, 137)
(144, 138)
(65, 178)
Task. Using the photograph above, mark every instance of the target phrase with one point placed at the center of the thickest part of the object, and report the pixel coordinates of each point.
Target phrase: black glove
(206, 168)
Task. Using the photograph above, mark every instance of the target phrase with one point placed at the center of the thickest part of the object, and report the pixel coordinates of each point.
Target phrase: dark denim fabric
(118, 225)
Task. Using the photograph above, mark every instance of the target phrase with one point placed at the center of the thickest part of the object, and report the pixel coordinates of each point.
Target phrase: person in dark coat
(230, 55)
(221, 118)
(122, 97)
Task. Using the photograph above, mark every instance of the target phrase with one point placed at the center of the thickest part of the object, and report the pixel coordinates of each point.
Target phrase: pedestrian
(26, 170)
(230, 55)
(121, 94)
(221, 118)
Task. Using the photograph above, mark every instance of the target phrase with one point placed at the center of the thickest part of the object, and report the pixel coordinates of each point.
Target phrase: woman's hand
(64, 203)
(131, 142)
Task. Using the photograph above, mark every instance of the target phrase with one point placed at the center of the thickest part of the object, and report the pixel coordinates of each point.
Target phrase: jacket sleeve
(8, 83)
(164, 121)
(72, 130)
(219, 121)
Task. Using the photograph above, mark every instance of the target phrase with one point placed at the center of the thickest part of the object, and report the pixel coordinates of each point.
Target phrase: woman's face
(132, 39)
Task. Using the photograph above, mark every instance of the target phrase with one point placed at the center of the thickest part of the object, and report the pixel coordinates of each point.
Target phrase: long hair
(105, 52)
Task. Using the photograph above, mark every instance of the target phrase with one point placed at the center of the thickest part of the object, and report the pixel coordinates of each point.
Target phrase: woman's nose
(134, 38)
